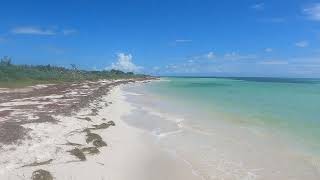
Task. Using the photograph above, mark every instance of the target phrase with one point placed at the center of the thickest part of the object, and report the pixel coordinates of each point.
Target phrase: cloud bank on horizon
(265, 38)
(124, 63)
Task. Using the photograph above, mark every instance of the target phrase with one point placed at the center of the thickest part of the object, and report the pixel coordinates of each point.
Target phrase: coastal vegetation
(13, 75)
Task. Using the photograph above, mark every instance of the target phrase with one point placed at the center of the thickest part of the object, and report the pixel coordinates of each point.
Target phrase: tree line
(10, 72)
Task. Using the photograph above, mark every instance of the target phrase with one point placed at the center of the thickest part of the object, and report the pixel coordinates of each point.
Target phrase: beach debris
(49, 104)
(86, 118)
(99, 143)
(41, 175)
(90, 150)
(103, 119)
(103, 125)
(39, 163)
(94, 112)
(42, 118)
(100, 163)
(111, 123)
(12, 132)
(5, 113)
(78, 153)
(73, 144)
(96, 140)
(93, 137)
(86, 130)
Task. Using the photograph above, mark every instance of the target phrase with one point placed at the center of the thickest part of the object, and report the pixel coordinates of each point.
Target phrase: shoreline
(216, 148)
(129, 133)
(129, 152)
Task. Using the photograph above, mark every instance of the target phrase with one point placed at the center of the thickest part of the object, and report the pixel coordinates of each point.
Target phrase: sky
(279, 38)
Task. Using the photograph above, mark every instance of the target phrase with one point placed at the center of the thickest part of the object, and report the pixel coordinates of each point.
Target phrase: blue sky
(167, 37)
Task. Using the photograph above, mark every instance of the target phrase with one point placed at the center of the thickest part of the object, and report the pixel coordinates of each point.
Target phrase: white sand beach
(129, 154)
(118, 131)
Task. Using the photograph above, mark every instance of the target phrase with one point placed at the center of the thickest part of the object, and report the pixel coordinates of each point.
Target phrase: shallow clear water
(291, 105)
(235, 128)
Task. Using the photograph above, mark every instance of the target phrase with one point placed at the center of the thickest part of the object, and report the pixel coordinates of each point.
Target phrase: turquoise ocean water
(291, 105)
(237, 128)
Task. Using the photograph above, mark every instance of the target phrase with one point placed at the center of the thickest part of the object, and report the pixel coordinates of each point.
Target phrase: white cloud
(213, 56)
(183, 40)
(181, 68)
(210, 55)
(33, 31)
(237, 56)
(207, 56)
(273, 62)
(258, 6)
(178, 42)
(268, 49)
(124, 63)
(302, 44)
(273, 20)
(312, 11)
(255, 65)
(69, 31)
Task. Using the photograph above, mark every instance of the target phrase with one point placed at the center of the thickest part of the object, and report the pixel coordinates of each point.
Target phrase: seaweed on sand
(94, 112)
(90, 150)
(39, 163)
(78, 153)
(103, 125)
(111, 123)
(99, 143)
(86, 130)
(41, 175)
(93, 137)
(73, 144)
(12, 132)
(85, 118)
